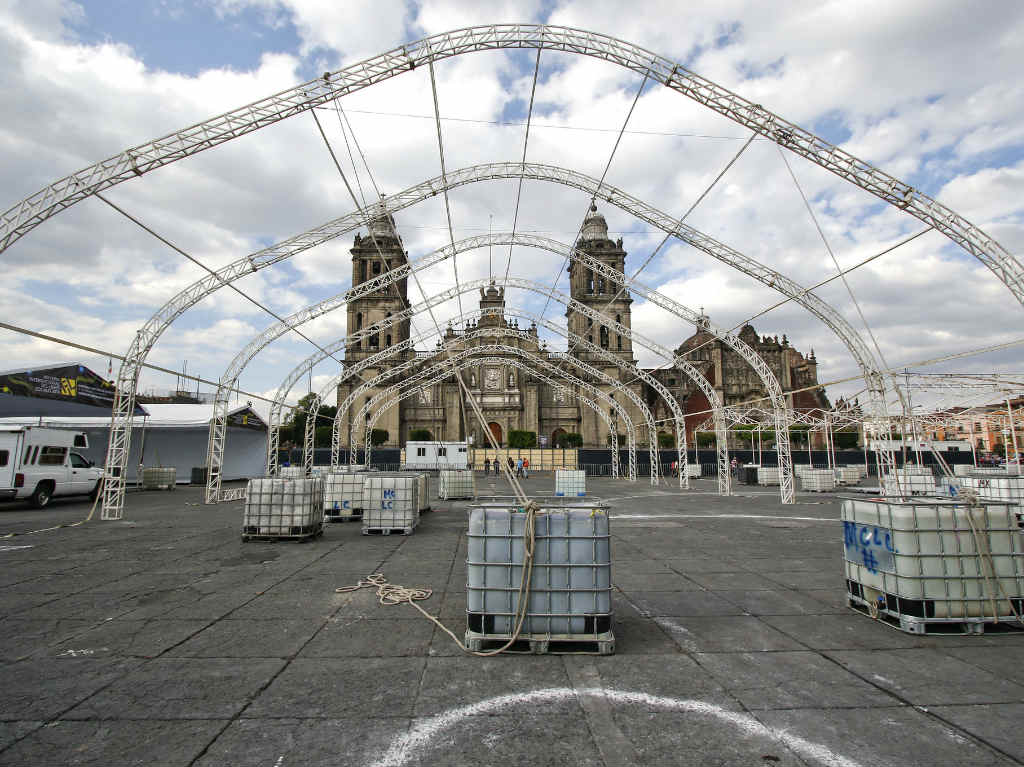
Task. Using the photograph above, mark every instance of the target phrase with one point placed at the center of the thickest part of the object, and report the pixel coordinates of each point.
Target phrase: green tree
(798, 433)
(570, 439)
(846, 440)
(704, 438)
(294, 428)
(522, 439)
(378, 437)
(420, 435)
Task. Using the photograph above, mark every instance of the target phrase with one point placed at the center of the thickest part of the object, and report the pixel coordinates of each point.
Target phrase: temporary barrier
(452, 483)
(570, 583)
(390, 503)
(159, 478)
(926, 561)
(571, 483)
(283, 508)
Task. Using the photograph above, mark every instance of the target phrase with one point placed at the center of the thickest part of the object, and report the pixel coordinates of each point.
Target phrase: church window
(375, 341)
(472, 379)
(376, 267)
(600, 284)
(604, 337)
(618, 342)
(590, 322)
(362, 270)
(359, 320)
(590, 281)
(618, 319)
(387, 340)
(590, 338)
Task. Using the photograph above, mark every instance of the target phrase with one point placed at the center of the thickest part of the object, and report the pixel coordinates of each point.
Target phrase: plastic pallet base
(544, 644)
(347, 518)
(926, 626)
(158, 487)
(456, 497)
(388, 530)
(313, 531)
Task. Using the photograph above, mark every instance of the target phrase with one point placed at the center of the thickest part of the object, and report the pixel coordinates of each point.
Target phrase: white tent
(173, 435)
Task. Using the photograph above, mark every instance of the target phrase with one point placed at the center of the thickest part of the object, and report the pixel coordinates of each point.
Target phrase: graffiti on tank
(869, 546)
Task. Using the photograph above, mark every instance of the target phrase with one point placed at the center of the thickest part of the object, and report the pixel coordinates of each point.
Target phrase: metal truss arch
(498, 348)
(62, 194)
(607, 356)
(371, 409)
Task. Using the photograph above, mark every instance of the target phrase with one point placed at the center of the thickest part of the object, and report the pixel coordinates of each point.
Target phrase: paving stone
(249, 639)
(127, 639)
(357, 741)
(997, 724)
(778, 602)
(725, 634)
(181, 688)
(12, 731)
(876, 736)
(672, 676)
(682, 603)
(349, 637)
(790, 680)
(341, 687)
(626, 579)
(733, 581)
(21, 637)
(929, 677)
(112, 742)
(43, 689)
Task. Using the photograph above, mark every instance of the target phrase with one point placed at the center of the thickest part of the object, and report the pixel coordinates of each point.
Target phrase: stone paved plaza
(164, 640)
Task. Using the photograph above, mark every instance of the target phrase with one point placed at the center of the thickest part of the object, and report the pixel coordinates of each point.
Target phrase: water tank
(997, 487)
(918, 560)
(291, 472)
(571, 483)
(570, 586)
(159, 478)
(283, 508)
(818, 480)
(343, 494)
(455, 483)
(390, 503)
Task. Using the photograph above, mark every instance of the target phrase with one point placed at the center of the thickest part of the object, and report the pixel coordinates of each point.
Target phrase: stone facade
(513, 399)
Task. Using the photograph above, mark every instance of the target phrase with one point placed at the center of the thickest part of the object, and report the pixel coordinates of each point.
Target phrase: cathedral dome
(594, 225)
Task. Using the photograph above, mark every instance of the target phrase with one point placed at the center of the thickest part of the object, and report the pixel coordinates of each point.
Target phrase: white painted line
(721, 516)
(419, 738)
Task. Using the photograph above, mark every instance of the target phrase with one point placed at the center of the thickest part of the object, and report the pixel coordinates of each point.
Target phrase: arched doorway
(495, 431)
(556, 435)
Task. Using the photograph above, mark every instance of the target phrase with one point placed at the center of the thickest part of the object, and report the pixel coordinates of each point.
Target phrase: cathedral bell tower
(596, 291)
(373, 256)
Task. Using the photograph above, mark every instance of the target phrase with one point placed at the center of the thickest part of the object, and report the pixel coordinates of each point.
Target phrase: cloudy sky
(929, 91)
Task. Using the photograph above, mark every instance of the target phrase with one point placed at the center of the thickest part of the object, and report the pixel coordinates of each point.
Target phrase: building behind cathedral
(515, 399)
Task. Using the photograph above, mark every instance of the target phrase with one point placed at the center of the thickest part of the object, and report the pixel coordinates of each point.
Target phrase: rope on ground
(393, 594)
(977, 519)
(57, 527)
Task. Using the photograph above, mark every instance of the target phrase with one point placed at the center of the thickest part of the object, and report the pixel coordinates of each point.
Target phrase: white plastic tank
(343, 494)
(768, 475)
(571, 483)
(570, 586)
(159, 478)
(924, 550)
(283, 507)
(693, 470)
(390, 501)
(291, 472)
(454, 483)
(849, 475)
(422, 492)
(818, 480)
(912, 482)
(1003, 488)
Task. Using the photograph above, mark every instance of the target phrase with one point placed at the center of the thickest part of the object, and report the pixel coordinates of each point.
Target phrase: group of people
(520, 466)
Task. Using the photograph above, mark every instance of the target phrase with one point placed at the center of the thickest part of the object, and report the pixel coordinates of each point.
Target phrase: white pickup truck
(38, 463)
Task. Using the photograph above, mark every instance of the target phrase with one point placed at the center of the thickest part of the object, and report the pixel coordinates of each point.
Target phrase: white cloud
(891, 77)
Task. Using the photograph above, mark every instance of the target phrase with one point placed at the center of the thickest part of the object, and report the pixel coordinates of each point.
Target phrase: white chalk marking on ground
(76, 653)
(404, 746)
(722, 516)
(280, 761)
(15, 548)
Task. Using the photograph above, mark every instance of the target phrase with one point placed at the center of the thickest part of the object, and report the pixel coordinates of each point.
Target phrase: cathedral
(512, 398)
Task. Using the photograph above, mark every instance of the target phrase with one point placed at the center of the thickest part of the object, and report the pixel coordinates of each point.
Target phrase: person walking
(526, 468)
(735, 466)
(487, 466)
(519, 467)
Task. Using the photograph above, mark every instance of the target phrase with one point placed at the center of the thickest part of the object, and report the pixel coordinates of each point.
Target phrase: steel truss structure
(228, 380)
(553, 382)
(373, 407)
(397, 349)
(147, 336)
(34, 210)
(540, 362)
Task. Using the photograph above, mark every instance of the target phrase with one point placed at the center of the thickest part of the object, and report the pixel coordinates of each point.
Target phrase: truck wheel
(41, 497)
